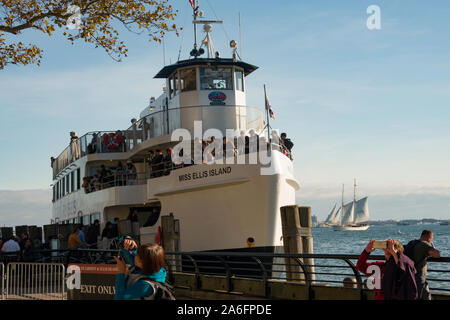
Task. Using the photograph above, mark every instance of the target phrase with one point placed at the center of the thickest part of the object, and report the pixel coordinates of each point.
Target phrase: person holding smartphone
(145, 276)
(391, 248)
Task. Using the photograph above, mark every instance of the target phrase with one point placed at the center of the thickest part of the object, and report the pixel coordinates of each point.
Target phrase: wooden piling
(307, 239)
(170, 232)
(292, 241)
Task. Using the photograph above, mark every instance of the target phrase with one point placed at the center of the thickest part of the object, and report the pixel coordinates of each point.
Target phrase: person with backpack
(419, 251)
(146, 278)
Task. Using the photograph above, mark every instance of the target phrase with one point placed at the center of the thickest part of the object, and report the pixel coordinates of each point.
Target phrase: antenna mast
(240, 35)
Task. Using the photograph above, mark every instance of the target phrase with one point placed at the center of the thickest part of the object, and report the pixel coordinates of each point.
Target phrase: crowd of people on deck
(104, 177)
(160, 163)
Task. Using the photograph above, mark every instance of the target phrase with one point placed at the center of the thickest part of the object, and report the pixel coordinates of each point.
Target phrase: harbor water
(328, 241)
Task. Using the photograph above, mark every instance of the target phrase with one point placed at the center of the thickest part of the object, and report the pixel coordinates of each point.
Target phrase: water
(327, 241)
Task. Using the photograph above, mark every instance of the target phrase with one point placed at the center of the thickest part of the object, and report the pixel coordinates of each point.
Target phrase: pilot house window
(239, 80)
(216, 78)
(188, 80)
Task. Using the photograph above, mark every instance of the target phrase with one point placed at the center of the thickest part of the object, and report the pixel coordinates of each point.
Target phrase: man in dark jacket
(398, 282)
(419, 251)
(93, 234)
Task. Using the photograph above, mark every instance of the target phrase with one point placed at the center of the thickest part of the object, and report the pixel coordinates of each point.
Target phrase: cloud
(25, 207)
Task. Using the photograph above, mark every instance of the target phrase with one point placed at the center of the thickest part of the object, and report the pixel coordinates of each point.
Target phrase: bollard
(292, 241)
(307, 239)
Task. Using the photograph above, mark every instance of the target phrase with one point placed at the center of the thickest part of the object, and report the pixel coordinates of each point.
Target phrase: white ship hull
(216, 212)
(351, 228)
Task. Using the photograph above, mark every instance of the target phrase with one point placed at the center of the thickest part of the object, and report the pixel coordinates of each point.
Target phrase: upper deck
(157, 124)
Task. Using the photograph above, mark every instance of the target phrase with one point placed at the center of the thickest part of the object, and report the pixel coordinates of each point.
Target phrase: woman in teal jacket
(146, 263)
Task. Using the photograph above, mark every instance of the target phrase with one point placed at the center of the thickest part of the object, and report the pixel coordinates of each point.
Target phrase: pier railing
(329, 270)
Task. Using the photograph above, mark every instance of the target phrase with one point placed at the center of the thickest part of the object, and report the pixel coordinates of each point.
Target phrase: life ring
(111, 140)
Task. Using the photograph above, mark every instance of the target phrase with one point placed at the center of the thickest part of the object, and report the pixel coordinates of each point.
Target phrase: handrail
(78, 148)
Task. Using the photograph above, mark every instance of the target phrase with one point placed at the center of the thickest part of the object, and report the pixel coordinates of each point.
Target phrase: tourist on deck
(229, 149)
(198, 151)
(158, 164)
(145, 279)
(86, 185)
(168, 164)
(120, 175)
(287, 142)
(131, 173)
(74, 146)
(243, 143)
(419, 251)
(92, 146)
(93, 234)
(391, 283)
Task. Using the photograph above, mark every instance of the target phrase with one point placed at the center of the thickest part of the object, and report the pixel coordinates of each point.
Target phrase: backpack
(161, 291)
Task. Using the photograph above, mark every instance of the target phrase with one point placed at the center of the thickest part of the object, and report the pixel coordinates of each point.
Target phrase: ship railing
(329, 270)
(155, 124)
(154, 170)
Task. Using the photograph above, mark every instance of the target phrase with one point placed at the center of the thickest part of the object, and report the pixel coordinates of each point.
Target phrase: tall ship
(353, 216)
(220, 205)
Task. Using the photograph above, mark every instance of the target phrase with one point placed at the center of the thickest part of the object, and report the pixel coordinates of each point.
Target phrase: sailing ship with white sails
(352, 216)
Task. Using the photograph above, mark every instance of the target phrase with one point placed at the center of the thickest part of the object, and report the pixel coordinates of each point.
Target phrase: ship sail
(333, 216)
(361, 212)
(348, 213)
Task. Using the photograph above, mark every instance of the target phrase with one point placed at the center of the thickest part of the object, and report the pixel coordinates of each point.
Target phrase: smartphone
(380, 244)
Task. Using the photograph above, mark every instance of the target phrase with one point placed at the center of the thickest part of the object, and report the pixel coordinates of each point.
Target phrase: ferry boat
(219, 206)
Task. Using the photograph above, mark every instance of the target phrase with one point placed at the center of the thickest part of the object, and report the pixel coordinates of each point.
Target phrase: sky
(370, 105)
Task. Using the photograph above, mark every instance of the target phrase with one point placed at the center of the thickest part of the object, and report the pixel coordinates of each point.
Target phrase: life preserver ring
(111, 140)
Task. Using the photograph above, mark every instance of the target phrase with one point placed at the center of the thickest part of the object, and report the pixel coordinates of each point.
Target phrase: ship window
(78, 179)
(188, 80)
(216, 78)
(95, 216)
(173, 85)
(85, 220)
(239, 80)
(72, 181)
(64, 186)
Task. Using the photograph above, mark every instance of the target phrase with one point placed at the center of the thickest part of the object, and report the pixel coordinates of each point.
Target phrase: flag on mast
(269, 107)
(193, 7)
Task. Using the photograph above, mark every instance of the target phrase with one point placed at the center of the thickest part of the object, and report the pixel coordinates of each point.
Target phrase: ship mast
(342, 207)
(354, 190)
